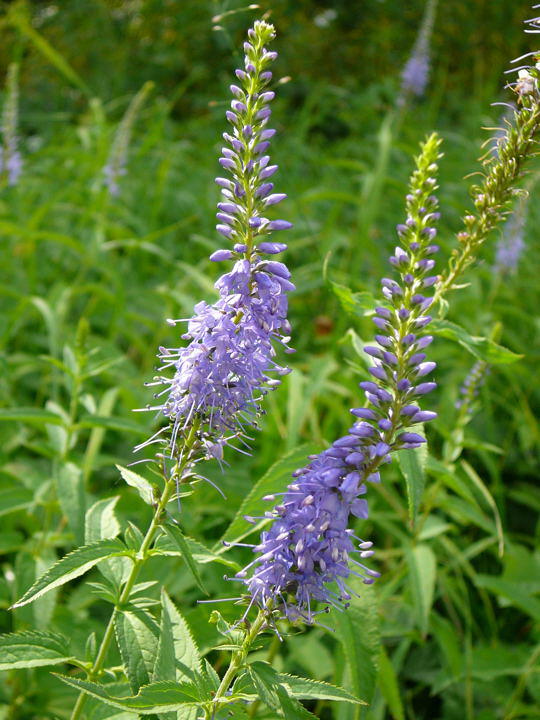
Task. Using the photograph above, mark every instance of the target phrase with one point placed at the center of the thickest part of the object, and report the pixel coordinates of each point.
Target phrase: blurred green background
(87, 280)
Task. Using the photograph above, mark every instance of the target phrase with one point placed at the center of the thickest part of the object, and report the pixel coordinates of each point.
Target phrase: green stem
(238, 659)
(140, 559)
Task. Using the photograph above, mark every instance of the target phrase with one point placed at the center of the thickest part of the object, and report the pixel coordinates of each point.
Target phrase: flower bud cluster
(222, 374)
(309, 548)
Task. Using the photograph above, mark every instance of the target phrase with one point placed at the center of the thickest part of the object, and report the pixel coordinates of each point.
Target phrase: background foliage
(451, 629)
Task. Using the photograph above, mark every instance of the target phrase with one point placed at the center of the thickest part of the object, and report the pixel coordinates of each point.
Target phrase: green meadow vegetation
(450, 631)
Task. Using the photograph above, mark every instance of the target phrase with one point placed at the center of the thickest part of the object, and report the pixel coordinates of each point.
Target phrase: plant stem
(237, 660)
(140, 559)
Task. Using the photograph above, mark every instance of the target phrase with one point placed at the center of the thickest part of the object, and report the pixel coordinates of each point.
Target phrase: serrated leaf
(72, 499)
(101, 523)
(274, 480)
(156, 697)
(412, 463)
(164, 666)
(186, 652)
(143, 487)
(358, 632)
(291, 708)
(32, 649)
(389, 686)
(201, 554)
(480, 347)
(176, 536)
(305, 689)
(71, 566)
(423, 571)
(137, 636)
(265, 679)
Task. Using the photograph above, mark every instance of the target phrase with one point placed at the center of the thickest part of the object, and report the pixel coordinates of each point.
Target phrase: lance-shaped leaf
(153, 698)
(141, 485)
(176, 536)
(423, 571)
(71, 496)
(71, 566)
(32, 649)
(185, 652)
(305, 689)
(412, 463)
(137, 635)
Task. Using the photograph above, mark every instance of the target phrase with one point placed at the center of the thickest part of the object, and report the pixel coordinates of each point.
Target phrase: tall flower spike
(502, 172)
(10, 157)
(414, 77)
(116, 166)
(308, 553)
(222, 374)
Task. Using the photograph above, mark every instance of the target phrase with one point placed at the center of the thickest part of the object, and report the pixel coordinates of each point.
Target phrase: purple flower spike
(222, 374)
(308, 554)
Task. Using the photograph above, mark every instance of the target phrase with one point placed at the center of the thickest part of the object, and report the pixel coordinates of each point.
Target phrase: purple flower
(414, 77)
(471, 386)
(228, 365)
(308, 553)
(10, 157)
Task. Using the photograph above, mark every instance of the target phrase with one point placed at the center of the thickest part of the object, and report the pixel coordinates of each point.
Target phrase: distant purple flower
(309, 546)
(414, 77)
(471, 386)
(511, 243)
(116, 166)
(10, 157)
(229, 364)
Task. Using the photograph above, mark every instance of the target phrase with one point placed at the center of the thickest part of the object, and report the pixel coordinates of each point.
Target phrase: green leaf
(358, 632)
(156, 697)
(305, 689)
(423, 571)
(71, 496)
(143, 487)
(274, 480)
(201, 554)
(358, 304)
(101, 523)
(112, 423)
(175, 534)
(480, 347)
(32, 649)
(412, 463)
(511, 591)
(165, 665)
(15, 498)
(186, 652)
(71, 566)
(291, 708)
(30, 415)
(137, 636)
(389, 686)
(264, 678)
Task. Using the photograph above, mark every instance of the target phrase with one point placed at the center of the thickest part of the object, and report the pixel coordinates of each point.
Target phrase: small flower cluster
(414, 77)
(10, 157)
(222, 374)
(309, 545)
